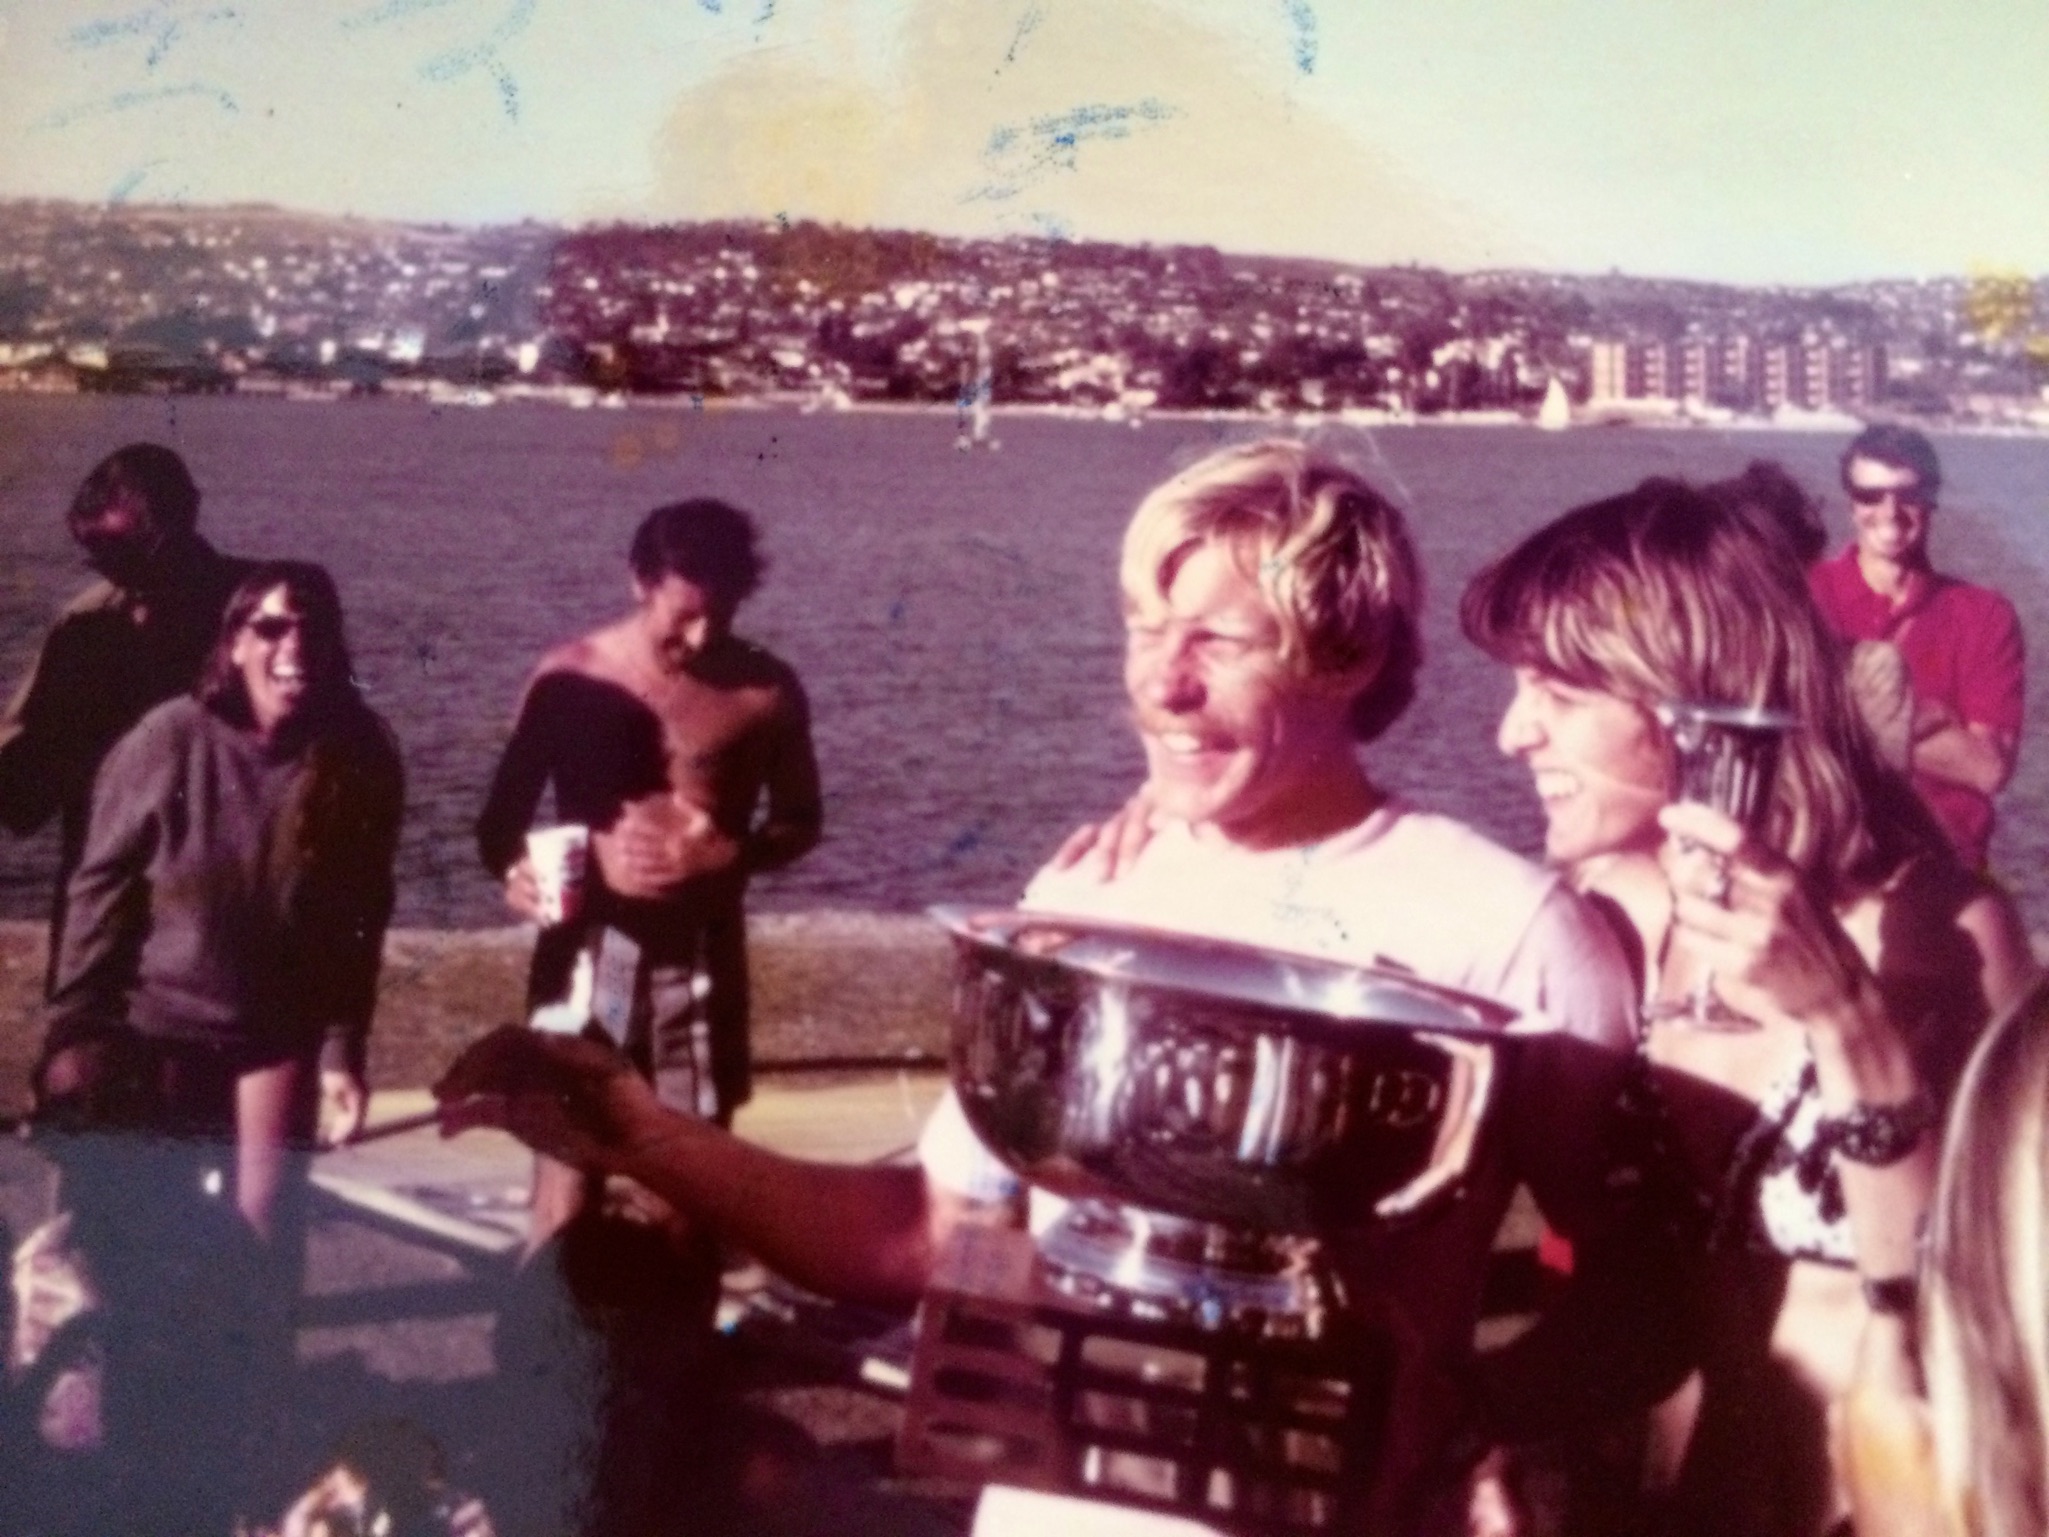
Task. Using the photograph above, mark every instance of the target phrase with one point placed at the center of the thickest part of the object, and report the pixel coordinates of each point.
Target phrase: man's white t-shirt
(1407, 887)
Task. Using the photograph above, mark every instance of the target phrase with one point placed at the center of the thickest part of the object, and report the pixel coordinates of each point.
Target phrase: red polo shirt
(1962, 647)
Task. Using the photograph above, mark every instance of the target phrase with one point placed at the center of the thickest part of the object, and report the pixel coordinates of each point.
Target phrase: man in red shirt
(1961, 643)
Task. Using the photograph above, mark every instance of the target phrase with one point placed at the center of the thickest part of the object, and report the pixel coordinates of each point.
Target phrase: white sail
(1555, 414)
(974, 431)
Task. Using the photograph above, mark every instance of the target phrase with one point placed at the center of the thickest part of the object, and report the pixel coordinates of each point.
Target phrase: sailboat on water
(975, 415)
(1555, 414)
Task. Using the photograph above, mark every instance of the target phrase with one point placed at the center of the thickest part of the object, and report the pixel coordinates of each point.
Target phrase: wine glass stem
(1704, 995)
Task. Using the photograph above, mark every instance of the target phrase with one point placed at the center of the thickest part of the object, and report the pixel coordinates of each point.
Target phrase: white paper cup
(560, 857)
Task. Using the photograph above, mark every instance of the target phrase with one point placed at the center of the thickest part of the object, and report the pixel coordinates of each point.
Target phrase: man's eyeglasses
(1871, 496)
(273, 626)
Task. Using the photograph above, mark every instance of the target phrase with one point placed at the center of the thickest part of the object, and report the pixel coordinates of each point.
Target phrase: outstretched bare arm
(863, 1232)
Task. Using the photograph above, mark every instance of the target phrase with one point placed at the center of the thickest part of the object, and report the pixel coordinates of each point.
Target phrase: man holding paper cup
(680, 760)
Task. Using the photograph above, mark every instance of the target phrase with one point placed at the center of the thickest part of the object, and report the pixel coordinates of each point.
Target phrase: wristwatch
(1878, 1135)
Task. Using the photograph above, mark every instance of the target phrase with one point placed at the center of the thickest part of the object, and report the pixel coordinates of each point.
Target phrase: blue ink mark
(1019, 156)
(1302, 16)
(392, 10)
(966, 841)
(126, 101)
(96, 34)
(897, 611)
(508, 90)
(124, 189)
(159, 24)
(1027, 24)
(765, 14)
(1051, 225)
(714, 6)
(457, 62)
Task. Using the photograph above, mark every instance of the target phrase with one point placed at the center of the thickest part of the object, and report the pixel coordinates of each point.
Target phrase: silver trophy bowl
(1206, 1108)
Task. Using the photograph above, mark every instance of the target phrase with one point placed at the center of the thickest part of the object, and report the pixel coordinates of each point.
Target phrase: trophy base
(1017, 1381)
(1147, 1265)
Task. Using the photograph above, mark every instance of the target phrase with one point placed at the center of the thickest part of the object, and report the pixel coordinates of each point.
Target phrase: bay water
(953, 614)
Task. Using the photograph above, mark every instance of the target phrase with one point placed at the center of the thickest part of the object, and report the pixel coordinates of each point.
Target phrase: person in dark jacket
(127, 643)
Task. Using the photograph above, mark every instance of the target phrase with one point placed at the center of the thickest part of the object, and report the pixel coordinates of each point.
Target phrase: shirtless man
(1271, 600)
(687, 752)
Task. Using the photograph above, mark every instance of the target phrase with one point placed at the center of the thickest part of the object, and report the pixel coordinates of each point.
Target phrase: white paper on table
(1005, 1511)
(571, 1013)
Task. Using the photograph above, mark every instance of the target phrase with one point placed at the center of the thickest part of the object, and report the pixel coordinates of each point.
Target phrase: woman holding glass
(213, 992)
(1857, 960)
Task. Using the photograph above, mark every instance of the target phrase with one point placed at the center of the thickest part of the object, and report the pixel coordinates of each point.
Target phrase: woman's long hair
(1672, 592)
(334, 818)
(1985, 1342)
(323, 646)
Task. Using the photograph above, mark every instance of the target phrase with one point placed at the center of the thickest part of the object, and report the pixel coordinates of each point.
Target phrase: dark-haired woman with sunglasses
(215, 983)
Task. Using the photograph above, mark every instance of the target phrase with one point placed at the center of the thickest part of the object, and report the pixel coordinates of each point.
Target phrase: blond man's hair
(1331, 555)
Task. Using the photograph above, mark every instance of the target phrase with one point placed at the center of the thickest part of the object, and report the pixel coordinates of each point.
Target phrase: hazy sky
(1802, 141)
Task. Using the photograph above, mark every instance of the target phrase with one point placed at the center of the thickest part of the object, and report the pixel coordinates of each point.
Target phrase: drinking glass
(1724, 756)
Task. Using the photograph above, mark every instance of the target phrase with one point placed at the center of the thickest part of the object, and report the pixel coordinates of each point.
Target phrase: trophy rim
(1307, 992)
(1726, 715)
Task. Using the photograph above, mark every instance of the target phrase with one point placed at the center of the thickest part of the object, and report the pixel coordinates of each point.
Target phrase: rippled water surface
(953, 615)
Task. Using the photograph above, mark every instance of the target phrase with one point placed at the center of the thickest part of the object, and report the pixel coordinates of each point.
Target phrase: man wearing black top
(686, 750)
(123, 646)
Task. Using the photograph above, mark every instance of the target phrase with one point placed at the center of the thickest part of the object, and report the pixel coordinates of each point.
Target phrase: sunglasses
(273, 626)
(1871, 496)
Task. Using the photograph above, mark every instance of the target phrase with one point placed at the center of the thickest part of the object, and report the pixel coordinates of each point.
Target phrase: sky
(1797, 142)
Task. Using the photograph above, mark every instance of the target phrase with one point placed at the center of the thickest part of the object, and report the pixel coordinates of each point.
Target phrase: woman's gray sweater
(193, 916)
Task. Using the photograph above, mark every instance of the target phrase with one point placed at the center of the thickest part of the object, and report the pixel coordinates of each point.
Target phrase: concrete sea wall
(825, 984)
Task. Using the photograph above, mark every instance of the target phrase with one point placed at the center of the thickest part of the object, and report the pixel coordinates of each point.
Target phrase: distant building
(1623, 370)
(1742, 372)
(1785, 376)
(1739, 372)
(1700, 369)
(1856, 375)
(1608, 371)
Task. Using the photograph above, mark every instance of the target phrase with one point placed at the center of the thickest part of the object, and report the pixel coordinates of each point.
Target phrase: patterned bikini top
(1781, 1194)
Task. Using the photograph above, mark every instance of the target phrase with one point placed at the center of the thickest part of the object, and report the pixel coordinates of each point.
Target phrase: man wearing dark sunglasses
(132, 640)
(1961, 643)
